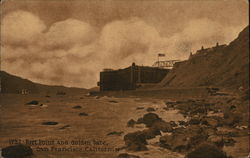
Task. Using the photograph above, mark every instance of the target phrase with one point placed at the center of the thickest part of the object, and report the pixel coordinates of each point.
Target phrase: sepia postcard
(124, 79)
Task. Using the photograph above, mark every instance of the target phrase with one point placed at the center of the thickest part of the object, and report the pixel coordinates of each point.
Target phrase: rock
(125, 155)
(197, 138)
(17, 151)
(182, 139)
(150, 109)
(194, 121)
(228, 141)
(183, 123)
(43, 105)
(232, 120)
(139, 108)
(33, 102)
(175, 142)
(217, 140)
(210, 122)
(162, 126)
(97, 97)
(227, 131)
(206, 151)
(151, 133)
(83, 114)
(149, 118)
(77, 107)
(245, 95)
(232, 107)
(139, 120)
(173, 124)
(171, 104)
(115, 133)
(64, 127)
(131, 123)
(113, 101)
(209, 130)
(50, 123)
(135, 141)
(180, 130)
(194, 129)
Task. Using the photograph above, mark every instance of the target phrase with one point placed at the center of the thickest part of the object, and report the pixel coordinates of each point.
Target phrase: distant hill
(222, 66)
(15, 84)
(94, 89)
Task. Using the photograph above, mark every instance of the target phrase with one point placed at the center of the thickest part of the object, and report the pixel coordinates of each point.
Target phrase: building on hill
(216, 47)
(204, 51)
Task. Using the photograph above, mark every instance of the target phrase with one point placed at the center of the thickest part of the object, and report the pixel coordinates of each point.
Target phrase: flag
(161, 55)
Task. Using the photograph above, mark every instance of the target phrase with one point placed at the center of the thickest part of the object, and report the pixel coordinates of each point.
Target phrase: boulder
(149, 118)
(83, 114)
(131, 123)
(183, 123)
(77, 107)
(139, 108)
(175, 142)
(113, 101)
(136, 141)
(151, 133)
(217, 140)
(194, 121)
(206, 151)
(210, 121)
(150, 109)
(162, 126)
(50, 123)
(33, 102)
(17, 151)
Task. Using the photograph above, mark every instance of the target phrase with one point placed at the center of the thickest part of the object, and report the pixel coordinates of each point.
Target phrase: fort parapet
(130, 78)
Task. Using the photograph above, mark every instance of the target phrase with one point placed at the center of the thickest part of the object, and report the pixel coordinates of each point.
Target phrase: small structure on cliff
(130, 78)
(216, 47)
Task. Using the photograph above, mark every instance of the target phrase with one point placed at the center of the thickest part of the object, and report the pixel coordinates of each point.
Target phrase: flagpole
(158, 61)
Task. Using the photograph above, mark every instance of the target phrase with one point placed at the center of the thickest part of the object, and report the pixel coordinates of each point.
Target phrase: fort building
(130, 78)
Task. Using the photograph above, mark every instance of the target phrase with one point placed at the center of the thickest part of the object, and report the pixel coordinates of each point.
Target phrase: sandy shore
(95, 129)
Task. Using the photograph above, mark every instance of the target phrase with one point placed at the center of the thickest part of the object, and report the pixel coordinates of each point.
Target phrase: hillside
(223, 66)
(15, 84)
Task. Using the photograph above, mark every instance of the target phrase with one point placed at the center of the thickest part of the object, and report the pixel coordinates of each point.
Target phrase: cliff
(227, 66)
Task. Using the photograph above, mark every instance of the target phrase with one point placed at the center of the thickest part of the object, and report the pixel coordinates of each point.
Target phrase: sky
(68, 42)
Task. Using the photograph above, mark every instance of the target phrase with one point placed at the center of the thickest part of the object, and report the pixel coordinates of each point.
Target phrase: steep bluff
(223, 66)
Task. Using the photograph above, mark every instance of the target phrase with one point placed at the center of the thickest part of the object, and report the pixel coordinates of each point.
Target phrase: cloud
(21, 27)
(72, 52)
(128, 41)
(67, 33)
